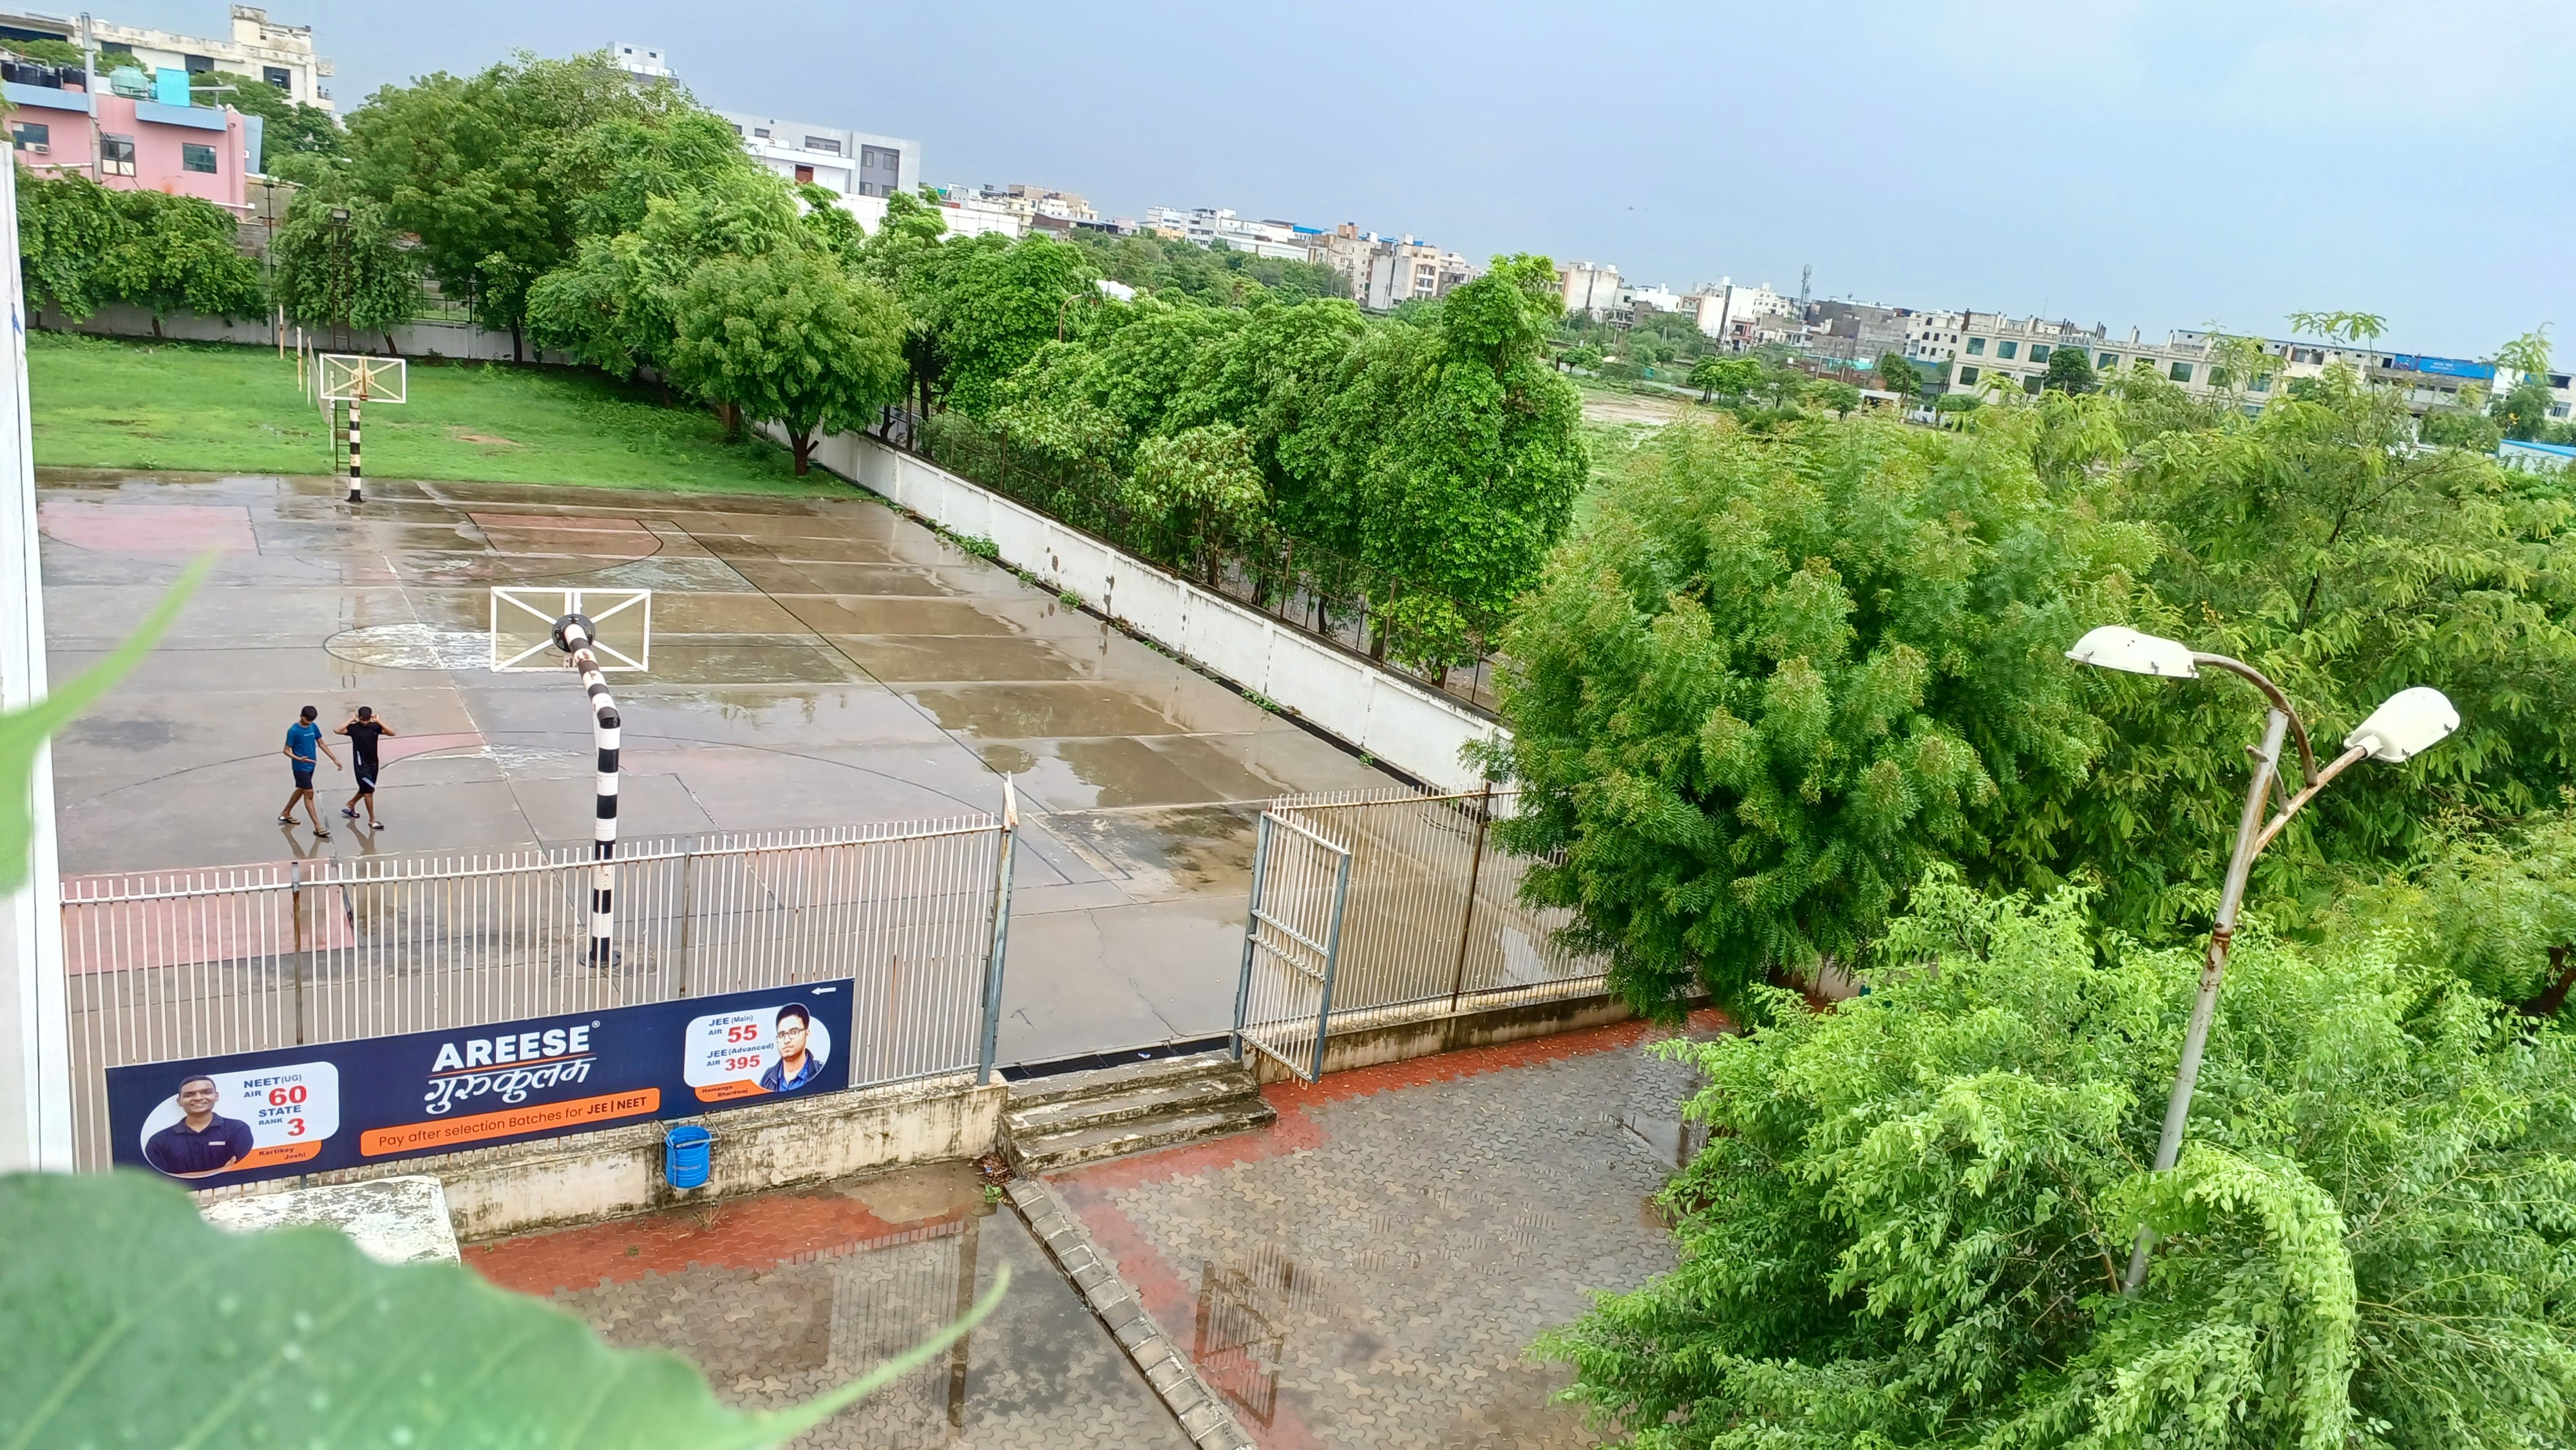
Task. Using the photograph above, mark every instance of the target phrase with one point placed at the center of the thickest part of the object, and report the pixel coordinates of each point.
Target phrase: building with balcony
(281, 55)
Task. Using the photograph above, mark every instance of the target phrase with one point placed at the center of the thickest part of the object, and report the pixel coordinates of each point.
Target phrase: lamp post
(2405, 724)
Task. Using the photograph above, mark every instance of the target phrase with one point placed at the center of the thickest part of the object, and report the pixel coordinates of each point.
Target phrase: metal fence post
(1001, 939)
(1251, 931)
(1332, 957)
(1467, 919)
(295, 905)
(688, 904)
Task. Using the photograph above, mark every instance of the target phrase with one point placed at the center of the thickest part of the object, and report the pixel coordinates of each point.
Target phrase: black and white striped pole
(574, 635)
(355, 471)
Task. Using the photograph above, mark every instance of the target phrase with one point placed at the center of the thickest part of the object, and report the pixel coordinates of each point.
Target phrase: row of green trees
(1799, 698)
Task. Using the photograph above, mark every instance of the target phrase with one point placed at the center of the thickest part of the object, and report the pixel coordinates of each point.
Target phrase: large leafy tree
(64, 227)
(288, 126)
(492, 172)
(1456, 451)
(615, 305)
(1908, 1226)
(337, 264)
(2070, 371)
(176, 253)
(789, 338)
(1780, 676)
(83, 246)
(2313, 542)
(990, 305)
(1898, 375)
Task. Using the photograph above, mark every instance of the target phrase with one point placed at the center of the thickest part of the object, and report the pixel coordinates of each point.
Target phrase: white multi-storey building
(1209, 225)
(1933, 337)
(1593, 291)
(852, 163)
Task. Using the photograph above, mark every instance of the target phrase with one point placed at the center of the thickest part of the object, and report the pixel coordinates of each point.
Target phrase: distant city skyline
(2150, 165)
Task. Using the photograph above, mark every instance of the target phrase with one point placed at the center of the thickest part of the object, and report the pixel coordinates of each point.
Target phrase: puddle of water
(413, 646)
(898, 617)
(967, 659)
(1041, 711)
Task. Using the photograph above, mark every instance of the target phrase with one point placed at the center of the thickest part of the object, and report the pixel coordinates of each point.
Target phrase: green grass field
(208, 407)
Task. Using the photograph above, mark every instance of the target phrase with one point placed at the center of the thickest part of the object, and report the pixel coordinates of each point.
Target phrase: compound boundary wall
(1415, 730)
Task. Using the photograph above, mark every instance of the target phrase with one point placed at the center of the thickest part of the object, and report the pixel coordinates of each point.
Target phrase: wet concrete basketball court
(814, 662)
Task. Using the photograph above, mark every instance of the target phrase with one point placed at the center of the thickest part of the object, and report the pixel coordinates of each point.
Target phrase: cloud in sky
(2138, 164)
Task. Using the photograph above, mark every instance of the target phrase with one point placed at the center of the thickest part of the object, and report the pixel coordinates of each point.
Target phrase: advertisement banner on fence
(255, 1115)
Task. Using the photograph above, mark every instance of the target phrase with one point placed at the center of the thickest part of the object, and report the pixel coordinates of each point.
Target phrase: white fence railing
(201, 963)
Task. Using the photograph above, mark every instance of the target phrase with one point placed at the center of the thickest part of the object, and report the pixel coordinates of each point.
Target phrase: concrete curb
(1204, 1417)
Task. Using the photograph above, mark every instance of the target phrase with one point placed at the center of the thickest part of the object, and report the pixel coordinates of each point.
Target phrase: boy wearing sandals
(303, 743)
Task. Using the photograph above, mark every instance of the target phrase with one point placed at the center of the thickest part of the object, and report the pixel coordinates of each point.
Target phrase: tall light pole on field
(2405, 725)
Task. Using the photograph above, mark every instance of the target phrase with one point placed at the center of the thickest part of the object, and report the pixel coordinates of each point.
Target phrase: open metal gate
(1300, 881)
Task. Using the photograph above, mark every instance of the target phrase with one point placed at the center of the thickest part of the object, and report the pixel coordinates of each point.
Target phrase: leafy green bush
(1909, 1224)
(1777, 678)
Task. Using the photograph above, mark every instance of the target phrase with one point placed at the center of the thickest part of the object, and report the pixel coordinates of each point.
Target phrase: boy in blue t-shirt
(303, 741)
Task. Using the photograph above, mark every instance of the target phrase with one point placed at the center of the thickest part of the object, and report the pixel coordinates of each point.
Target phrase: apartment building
(1591, 290)
(1933, 337)
(1857, 332)
(2019, 350)
(1410, 271)
(133, 133)
(1209, 225)
(1746, 317)
(851, 163)
(281, 55)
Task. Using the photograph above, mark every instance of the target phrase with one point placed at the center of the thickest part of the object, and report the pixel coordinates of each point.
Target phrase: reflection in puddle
(888, 1297)
(1241, 1337)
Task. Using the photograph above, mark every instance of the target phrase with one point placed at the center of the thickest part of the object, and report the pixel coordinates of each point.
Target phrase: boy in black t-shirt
(363, 730)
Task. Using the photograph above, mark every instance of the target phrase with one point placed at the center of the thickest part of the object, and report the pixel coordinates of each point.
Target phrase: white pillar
(35, 1031)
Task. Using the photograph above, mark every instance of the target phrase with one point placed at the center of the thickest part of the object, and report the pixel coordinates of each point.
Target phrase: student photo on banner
(799, 1062)
(202, 1142)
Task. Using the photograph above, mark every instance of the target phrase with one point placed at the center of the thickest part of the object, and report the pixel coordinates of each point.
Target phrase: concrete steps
(1082, 1117)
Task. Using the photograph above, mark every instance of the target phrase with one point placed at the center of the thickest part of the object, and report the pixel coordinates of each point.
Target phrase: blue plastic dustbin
(684, 1156)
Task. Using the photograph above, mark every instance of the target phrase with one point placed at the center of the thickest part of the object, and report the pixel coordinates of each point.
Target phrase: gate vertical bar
(1467, 918)
(1008, 841)
(1332, 956)
(1251, 932)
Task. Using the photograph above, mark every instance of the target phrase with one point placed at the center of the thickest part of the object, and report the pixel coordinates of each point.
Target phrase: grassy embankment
(209, 407)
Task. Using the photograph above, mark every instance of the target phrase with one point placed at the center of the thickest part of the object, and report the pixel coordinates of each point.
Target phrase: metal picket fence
(1388, 904)
(181, 964)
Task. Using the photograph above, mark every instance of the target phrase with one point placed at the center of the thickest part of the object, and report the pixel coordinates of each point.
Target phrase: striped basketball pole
(355, 472)
(573, 635)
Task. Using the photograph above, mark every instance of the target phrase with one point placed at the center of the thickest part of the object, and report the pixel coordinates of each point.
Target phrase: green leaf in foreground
(130, 1321)
(24, 732)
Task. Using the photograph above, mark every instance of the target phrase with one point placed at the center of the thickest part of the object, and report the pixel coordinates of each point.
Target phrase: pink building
(134, 145)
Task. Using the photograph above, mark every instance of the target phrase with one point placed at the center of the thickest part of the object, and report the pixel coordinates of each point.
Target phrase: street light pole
(2407, 723)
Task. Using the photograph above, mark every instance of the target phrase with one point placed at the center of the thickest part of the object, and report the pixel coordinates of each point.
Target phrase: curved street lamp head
(2118, 647)
(2406, 724)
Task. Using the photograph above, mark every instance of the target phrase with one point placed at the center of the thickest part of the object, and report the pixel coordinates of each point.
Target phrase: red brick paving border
(760, 1232)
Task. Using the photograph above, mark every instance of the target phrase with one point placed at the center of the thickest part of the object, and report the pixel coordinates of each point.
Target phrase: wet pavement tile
(779, 1297)
(1371, 1269)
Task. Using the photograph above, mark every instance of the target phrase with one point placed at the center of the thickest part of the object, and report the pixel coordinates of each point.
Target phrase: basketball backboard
(370, 379)
(523, 627)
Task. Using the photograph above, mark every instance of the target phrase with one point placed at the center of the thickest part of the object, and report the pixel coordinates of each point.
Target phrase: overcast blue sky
(2137, 164)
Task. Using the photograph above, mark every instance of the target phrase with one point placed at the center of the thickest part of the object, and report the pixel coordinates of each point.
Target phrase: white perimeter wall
(1411, 727)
